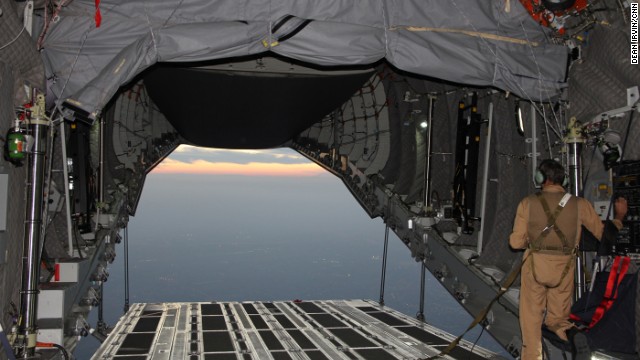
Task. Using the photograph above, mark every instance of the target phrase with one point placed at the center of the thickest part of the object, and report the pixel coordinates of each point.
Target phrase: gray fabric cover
(452, 40)
(18, 52)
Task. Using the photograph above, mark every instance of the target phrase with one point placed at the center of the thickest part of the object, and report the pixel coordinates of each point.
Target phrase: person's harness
(539, 244)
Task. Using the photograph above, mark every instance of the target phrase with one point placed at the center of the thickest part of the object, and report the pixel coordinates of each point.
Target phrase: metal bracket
(633, 96)
(28, 17)
(633, 99)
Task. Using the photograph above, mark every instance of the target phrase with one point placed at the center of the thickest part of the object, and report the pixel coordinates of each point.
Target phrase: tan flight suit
(544, 287)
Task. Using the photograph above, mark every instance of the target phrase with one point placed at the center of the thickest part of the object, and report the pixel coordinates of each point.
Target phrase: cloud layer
(272, 162)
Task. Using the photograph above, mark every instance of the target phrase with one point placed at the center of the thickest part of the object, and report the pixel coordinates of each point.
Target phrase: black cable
(626, 136)
(586, 176)
(476, 342)
(65, 353)
(295, 31)
(75, 240)
(281, 22)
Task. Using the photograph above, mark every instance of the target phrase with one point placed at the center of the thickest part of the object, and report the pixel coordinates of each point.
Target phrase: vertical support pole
(427, 166)
(101, 324)
(485, 181)
(574, 141)
(534, 144)
(126, 269)
(100, 177)
(336, 134)
(384, 264)
(38, 127)
(67, 197)
(420, 315)
(427, 194)
(575, 168)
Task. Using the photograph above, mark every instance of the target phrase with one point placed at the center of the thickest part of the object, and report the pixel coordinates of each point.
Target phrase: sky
(245, 225)
(204, 161)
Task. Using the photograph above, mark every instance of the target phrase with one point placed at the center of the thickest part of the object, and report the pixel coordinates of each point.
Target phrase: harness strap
(483, 313)
(565, 271)
(617, 273)
(537, 244)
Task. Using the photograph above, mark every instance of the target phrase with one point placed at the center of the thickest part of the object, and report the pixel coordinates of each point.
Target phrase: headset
(551, 167)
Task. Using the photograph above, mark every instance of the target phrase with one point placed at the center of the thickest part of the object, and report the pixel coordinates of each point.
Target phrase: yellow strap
(466, 32)
(268, 45)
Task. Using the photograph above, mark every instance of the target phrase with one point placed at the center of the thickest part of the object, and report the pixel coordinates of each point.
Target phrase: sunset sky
(273, 162)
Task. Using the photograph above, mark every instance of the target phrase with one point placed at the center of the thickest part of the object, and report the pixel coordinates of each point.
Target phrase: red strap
(575, 317)
(610, 295)
(98, 16)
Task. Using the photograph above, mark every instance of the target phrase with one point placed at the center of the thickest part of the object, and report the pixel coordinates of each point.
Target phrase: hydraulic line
(27, 332)
(384, 264)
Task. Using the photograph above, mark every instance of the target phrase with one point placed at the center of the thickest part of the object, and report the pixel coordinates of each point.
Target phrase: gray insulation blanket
(482, 43)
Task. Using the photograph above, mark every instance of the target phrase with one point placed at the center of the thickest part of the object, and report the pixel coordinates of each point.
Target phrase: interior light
(519, 120)
(421, 121)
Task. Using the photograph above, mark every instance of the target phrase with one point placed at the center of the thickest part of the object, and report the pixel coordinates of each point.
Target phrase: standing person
(548, 226)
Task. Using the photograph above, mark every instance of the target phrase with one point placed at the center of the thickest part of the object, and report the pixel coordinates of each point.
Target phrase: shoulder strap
(536, 245)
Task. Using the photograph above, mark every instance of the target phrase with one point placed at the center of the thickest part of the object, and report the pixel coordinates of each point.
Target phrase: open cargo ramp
(315, 330)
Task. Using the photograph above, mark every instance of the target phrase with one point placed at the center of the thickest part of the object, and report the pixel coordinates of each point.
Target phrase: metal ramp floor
(280, 330)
